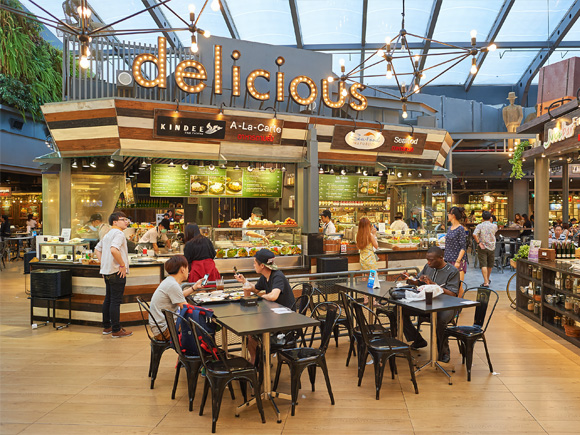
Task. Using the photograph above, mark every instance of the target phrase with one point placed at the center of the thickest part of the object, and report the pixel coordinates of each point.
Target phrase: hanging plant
(516, 160)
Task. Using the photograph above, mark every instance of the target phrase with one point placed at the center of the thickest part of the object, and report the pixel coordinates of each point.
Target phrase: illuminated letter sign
(159, 61)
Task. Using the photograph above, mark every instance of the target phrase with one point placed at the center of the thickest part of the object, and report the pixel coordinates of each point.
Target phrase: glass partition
(426, 200)
(51, 204)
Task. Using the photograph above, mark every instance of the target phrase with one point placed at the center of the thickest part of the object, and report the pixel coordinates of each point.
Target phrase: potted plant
(522, 254)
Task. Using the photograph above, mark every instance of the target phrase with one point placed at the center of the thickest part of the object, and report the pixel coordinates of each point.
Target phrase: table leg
(225, 340)
(434, 352)
(400, 322)
(244, 347)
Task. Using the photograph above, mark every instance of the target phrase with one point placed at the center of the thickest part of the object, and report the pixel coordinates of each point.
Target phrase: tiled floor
(79, 382)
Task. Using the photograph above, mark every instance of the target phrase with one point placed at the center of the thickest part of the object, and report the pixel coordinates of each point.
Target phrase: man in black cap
(254, 235)
(272, 286)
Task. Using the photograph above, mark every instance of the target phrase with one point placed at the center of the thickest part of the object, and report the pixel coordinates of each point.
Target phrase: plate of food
(217, 188)
(234, 186)
(363, 190)
(221, 253)
(198, 187)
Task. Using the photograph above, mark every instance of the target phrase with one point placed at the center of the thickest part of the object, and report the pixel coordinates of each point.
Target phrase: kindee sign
(194, 70)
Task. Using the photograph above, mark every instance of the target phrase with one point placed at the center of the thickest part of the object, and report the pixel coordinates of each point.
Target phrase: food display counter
(237, 246)
(88, 289)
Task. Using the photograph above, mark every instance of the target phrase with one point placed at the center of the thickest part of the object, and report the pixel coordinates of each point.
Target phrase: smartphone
(235, 270)
(204, 280)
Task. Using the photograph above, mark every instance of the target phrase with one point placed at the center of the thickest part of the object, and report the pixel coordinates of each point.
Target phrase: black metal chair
(157, 346)
(307, 357)
(191, 364)
(381, 348)
(317, 297)
(290, 338)
(220, 370)
(467, 336)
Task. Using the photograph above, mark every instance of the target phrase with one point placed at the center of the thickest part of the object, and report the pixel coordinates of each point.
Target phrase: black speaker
(27, 257)
(50, 283)
(331, 264)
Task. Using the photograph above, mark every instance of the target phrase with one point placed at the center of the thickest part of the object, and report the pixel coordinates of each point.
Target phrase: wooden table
(260, 319)
(18, 241)
(440, 303)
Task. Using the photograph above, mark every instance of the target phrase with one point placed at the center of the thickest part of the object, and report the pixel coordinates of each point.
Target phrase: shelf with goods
(349, 213)
(557, 291)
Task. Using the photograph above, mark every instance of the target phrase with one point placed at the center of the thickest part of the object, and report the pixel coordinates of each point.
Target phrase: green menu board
(351, 188)
(214, 182)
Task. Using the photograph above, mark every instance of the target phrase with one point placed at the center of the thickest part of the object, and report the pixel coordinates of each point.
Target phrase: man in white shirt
(152, 236)
(114, 257)
(254, 235)
(399, 224)
(328, 226)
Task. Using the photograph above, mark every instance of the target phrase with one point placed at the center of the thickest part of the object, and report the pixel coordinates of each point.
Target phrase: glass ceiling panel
(439, 60)
(384, 19)
(330, 21)
(267, 21)
(210, 20)
(574, 33)
(457, 18)
(503, 67)
(533, 20)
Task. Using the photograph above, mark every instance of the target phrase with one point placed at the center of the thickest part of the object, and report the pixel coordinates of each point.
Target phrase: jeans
(115, 286)
(412, 334)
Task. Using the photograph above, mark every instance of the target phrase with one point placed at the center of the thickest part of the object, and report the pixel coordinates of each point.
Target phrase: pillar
(520, 198)
(65, 181)
(542, 199)
(565, 193)
(307, 186)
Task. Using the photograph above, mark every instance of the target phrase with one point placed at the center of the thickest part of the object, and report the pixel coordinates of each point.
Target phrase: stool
(53, 300)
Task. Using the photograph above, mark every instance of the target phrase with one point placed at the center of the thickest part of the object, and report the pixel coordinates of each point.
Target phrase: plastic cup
(428, 297)
(247, 289)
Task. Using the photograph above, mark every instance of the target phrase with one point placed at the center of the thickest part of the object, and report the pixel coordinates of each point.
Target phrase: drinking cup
(428, 297)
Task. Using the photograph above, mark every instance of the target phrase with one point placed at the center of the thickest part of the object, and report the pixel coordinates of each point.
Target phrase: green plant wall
(30, 67)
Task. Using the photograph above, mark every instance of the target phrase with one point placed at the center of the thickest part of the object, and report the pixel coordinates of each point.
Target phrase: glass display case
(237, 246)
(66, 252)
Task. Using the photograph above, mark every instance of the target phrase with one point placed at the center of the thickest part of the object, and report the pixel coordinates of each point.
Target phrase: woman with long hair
(199, 252)
(366, 240)
(456, 241)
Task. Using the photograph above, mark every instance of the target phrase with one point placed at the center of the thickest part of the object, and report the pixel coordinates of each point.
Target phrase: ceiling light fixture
(365, 173)
(93, 164)
(283, 168)
(111, 163)
(75, 164)
(171, 164)
(237, 167)
(185, 166)
(320, 170)
(262, 167)
(250, 167)
(331, 172)
(223, 166)
(211, 166)
(343, 171)
(380, 173)
(135, 171)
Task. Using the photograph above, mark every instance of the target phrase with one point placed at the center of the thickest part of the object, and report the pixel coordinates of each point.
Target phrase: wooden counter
(387, 259)
(88, 288)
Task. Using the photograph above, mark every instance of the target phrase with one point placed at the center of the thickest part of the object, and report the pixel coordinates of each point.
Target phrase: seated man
(169, 295)
(557, 236)
(272, 286)
(445, 275)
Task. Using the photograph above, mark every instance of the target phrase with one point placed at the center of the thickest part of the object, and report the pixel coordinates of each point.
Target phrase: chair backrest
(144, 307)
(362, 321)
(301, 304)
(346, 306)
(329, 312)
(170, 319)
(484, 298)
(206, 347)
(462, 289)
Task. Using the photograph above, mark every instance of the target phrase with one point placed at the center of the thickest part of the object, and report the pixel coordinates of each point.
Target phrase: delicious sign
(385, 141)
(209, 128)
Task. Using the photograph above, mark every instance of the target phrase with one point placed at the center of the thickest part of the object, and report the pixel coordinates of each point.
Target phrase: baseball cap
(257, 211)
(266, 257)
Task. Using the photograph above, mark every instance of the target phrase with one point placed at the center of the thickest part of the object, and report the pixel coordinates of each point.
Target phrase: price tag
(381, 227)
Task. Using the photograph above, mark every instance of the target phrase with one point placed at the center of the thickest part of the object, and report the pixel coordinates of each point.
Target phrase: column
(541, 199)
(565, 192)
(65, 194)
(520, 198)
(307, 186)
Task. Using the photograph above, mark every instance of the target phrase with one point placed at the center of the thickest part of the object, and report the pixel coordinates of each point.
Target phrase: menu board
(195, 182)
(351, 188)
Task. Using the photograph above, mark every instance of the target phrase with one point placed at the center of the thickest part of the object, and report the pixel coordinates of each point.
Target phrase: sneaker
(445, 358)
(203, 372)
(122, 333)
(419, 344)
(107, 331)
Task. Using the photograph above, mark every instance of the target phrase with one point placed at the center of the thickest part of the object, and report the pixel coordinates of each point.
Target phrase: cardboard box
(546, 254)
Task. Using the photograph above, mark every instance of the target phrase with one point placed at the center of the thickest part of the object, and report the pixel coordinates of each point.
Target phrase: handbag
(397, 293)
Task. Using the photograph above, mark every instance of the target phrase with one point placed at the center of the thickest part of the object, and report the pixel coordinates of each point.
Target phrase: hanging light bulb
(191, 9)
(330, 79)
(84, 12)
(416, 89)
(473, 35)
(135, 171)
(344, 93)
(380, 52)
(201, 164)
(84, 62)
(389, 74)
(341, 62)
(404, 114)
(491, 47)
(205, 33)
(262, 167)
(194, 47)
(215, 5)
(473, 69)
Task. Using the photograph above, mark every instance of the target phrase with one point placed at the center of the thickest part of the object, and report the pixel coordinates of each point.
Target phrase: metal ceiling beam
(430, 31)
(365, 8)
(523, 85)
(507, 45)
(161, 21)
(495, 28)
(229, 20)
(296, 23)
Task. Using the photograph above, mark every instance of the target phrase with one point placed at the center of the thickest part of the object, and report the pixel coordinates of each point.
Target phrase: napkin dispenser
(546, 254)
(249, 301)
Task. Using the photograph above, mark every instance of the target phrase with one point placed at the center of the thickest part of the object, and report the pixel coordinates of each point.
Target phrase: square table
(246, 321)
(440, 303)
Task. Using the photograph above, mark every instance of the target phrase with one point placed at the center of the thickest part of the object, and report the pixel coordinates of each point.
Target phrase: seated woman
(199, 252)
(169, 295)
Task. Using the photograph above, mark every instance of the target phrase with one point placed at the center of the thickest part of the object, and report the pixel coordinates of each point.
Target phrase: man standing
(328, 225)
(445, 275)
(254, 235)
(399, 224)
(484, 236)
(113, 255)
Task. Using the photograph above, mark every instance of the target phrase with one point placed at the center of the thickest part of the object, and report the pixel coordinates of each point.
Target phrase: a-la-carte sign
(190, 70)
(561, 132)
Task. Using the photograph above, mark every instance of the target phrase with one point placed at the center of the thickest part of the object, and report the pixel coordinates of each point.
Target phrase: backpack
(201, 316)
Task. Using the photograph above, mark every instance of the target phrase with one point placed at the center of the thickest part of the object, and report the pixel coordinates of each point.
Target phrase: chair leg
(204, 398)
(278, 371)
(177, 369)
(244, 389)
(469, 357)
(231, 388)
(322, 364)
(256, 387)
(412, 370)
(487, 354)
(295, 373)
(312, 336)
(216, 402)
(192, 375)
(156, 354)
(393, 367)
(351, 349)
(336, 332)
(362, 363)
(379, 363)
(312, 375)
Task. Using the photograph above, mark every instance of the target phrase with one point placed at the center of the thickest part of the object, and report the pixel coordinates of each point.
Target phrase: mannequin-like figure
(512, 114)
